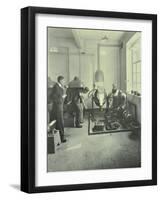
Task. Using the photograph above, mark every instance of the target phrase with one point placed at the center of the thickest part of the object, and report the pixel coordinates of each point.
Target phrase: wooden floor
(105, 151)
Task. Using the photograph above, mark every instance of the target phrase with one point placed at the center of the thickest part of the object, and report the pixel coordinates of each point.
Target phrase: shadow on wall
(15, 186)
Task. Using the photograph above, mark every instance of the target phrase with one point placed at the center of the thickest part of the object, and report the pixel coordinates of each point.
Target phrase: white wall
(110, 65)
(73, 63)
(70, 64)
(69, 55)
(10, 100)
(58, 65)
(123, 77)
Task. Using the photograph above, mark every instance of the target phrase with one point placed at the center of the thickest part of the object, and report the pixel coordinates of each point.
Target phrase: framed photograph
(88, 99)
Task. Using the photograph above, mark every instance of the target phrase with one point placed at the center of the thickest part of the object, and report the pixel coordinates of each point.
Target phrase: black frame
(28, 98)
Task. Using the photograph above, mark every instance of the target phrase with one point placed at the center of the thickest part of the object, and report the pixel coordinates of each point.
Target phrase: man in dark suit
(75, 98)
(57, 96)
(77, 107)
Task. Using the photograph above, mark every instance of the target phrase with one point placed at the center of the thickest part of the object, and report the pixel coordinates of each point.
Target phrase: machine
(113, 113)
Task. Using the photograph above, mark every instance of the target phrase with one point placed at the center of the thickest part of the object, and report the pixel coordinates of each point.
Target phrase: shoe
(79, 126)
(63, 140)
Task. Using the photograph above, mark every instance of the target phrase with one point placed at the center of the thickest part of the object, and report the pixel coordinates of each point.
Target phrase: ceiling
(85, 34)
(98, 35)
(60, 32)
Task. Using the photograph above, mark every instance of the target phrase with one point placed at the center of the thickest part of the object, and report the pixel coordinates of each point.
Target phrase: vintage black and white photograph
(93, 99)
(89, 99)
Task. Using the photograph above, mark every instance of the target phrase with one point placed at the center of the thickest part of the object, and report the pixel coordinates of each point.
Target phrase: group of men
(61, 94)
(70, 96)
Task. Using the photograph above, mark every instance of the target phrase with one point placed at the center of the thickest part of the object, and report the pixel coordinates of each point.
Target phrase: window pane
(134, 86)
(136, 51)
(134, 63)
(135, 56)
(139, 88)
(138, 77)
(134, 68)
(138, 67)
(134, 78)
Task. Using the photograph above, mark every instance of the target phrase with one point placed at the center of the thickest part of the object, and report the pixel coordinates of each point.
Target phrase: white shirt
(64, 95)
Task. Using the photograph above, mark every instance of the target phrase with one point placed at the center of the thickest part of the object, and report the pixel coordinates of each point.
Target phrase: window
(134, 64)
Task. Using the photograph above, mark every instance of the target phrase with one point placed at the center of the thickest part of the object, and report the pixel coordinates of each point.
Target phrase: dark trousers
(57, 114)
(78, 108)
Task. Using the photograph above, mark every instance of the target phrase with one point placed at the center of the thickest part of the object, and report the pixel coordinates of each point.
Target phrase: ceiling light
(104, 38)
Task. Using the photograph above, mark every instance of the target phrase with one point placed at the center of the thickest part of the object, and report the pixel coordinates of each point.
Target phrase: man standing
(77, 107)
(58, 95)
(74, 96)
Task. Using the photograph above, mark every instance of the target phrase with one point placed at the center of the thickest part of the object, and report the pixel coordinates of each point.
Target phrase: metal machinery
(114, 113)
(112, 120)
